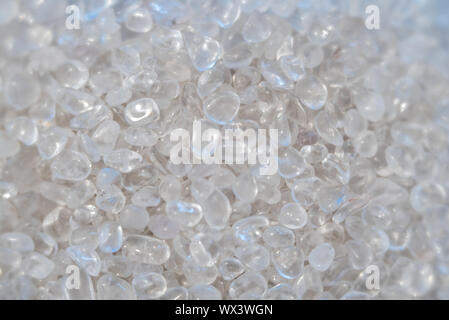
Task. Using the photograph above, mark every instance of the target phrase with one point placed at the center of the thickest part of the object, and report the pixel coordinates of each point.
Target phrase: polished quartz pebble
(360, 255)
(203, 51)
(321, 257)
(257, 28)
(245, 188)
(38, 266)
(110, 199)
(216, 209)
(196, 274)
(146, 249)
(204, 292)
(71, 165)
(110, 237)
(133, 217)
(87, 259)
(142, 112)
(149, 285)
(110, 287)
(230, 268)
(293, 216)
(16, 241)
(124, 160)
(138, 20)
(222, 107)
(23, 129)
(254, 256)
(146, 197)
(51, 142)
(249, 283)
(288, 261)
(73, 74)
(184, 213)
(162, 227)
(278, 236)
(105, 136)
(311, 91)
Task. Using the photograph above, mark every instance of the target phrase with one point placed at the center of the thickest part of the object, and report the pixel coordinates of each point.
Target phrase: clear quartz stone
(138, 20)
(73, 74)
(222, 107)
(184, 213)
(149, 285)
(71, 165)
(146, 249)
(142, 111)
(38, 266)
(278, 236)
(248, 283)
(293, 216)
(203, 51)
(216, 209)
(311, 91)
(16, 241)
(288, 261)
(231, 268)
(110, 199)
(124, 160)
(162, 227)
(87, 259)
(321, 257)
(257, 28)
(51, 142)
(110, 287)
(23, 129)
(110, 237)
(254, 256)
(134, 218)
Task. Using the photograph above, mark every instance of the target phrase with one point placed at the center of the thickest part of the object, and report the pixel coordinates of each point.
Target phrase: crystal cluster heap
(92, 207)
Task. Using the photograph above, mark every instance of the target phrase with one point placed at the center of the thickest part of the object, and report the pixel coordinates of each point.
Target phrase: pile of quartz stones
(91, 207)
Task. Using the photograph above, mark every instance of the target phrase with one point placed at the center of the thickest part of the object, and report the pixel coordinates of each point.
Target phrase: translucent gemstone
(254, 256)
(22, 90)
(56, 223)
(71, 165)
(354, 123)
(162, 227)
(149, 285)
(378, 216)
(118, 96)
(230, 268)
(428, 196)
(293, 216)
(110, 237)
(126, 59)
(288, 261)
(91, 118)
(292, 66)
(170, 188)
(133, 217)
(401, 159)
(8, 147)
(249, 229)
(140, 136)
(366, 144)
(203, 51)
(225, 12)
(108, 176)
(204, 292)
(17, 241)
(204, 249)
(311, 91)
(290, 163)
(359, 253)
(38, 266)
(257, 28)
(139, 20)
(105, 136)
(146, 249)
(85, 214)
(312, 55)
(283, 9)
(110, 287)
(216, 209)
(321, 257)
(110, 199)
(75, 101)
(51, 142)
(330, 198)
(85, 236)
(314, 154)
(184, 213)
(87, 259)
(273, 73)
(326, 130)
(73, 74)
(278, 236)
(239, 56)
(142, 112)
(196, 274)
(245, 188)
(210, 80)
(370, 105)
(23, 129)
(166, 39)
(249, 283)
(146, 197)
(123, 160)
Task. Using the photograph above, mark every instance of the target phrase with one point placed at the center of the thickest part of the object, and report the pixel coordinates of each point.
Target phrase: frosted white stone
(321, 257)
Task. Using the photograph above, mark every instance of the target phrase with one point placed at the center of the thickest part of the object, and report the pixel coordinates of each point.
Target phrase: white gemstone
(321, 257)
(71, 165)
